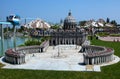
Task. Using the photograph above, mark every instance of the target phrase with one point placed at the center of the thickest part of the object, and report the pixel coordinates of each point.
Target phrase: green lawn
(108, 72)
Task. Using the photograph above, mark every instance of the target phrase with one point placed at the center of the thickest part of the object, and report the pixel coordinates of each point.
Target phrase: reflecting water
(8, 43)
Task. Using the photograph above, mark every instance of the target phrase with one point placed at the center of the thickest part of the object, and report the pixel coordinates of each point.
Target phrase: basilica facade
(68, 34)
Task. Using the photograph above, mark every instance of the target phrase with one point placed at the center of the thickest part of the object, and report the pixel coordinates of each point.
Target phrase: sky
(55, 10)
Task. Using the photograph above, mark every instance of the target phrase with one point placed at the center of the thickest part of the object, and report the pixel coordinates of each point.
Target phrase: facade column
(74, 41)
(51, 41)
(59, 41)
(71, 40)
(92, 61)
(14, 61)
(68, 41)
(64, 41)
(55, 41)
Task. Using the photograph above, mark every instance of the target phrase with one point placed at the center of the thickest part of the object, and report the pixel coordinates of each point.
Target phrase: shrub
(32, 42)
(102, 34)
(21, 45)
(115, 35)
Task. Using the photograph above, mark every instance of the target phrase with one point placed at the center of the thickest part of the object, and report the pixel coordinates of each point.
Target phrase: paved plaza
(68, 59)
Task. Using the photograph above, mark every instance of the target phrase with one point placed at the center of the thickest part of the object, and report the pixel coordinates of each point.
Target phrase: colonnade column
(92, 60)
(100, 59)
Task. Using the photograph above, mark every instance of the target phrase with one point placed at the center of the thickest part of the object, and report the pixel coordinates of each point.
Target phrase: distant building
(101, 21)
(109, 25)
(98, 23)
(38, 24)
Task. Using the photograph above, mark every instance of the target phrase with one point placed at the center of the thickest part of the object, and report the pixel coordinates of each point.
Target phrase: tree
(114, 22)
(22, 27)
(108, 20)
(82, 23)
(55, 26)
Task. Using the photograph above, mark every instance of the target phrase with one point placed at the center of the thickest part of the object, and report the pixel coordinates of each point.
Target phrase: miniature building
(14, 57)
(18, 56)
(97, 55)
(70, 34)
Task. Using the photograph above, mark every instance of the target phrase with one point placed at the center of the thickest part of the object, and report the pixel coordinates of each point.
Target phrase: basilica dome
(69, 22)
(69, 18)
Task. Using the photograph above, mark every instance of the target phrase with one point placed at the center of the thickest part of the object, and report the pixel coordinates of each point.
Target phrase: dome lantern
(69, 14)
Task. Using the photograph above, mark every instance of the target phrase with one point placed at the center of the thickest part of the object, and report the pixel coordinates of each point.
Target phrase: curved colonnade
(18, 56)
(97, 55)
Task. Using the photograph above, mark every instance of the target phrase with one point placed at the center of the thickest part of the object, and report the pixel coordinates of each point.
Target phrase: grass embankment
(108, 72)
(1, 65)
